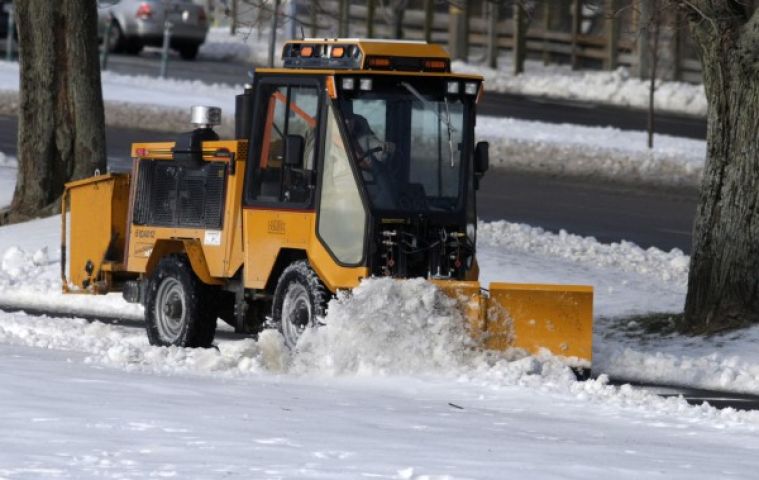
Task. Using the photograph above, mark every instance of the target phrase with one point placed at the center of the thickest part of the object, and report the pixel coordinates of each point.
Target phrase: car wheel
(299, 301)
(179, 308)
(188, 52)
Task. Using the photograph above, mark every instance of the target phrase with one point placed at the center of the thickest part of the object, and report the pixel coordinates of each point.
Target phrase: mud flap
(532, 317)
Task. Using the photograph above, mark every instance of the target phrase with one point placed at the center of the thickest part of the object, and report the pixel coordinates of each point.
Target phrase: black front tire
(299, 301)
(179, 308)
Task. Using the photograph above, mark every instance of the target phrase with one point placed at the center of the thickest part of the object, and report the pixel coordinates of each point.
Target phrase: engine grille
(169, 195)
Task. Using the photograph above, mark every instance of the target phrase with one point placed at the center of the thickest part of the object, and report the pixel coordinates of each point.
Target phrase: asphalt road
(648, 216)
(493, 104)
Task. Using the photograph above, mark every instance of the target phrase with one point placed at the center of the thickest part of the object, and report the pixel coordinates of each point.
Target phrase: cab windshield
(407, 139)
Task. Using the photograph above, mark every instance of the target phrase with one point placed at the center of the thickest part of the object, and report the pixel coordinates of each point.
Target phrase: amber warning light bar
(347, 56)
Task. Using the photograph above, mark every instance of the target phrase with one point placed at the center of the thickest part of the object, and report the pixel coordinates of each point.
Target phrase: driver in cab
(367, 146)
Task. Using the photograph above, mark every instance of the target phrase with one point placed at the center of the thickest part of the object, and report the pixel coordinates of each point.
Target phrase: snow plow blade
(532, 317)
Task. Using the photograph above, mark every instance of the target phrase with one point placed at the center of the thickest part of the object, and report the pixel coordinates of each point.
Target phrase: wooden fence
(600, 34)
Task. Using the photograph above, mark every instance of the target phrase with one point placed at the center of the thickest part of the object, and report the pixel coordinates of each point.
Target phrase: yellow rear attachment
(92, 244)
(531, 317)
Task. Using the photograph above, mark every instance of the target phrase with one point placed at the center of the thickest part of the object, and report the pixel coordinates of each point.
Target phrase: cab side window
(291, 123)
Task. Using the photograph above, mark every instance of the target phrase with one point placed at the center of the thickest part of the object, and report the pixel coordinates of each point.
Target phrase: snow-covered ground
(390, 388)
(616, 87)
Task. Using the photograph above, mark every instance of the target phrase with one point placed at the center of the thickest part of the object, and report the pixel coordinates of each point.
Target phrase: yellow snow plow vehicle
(356, 159)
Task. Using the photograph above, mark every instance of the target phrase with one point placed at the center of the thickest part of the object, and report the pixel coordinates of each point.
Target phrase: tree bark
(61, 127)
(723, 283)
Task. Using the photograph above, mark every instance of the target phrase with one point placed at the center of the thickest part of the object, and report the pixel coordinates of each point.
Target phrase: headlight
(365, 84)
(470, 88)
(349, 83)
(452, 88)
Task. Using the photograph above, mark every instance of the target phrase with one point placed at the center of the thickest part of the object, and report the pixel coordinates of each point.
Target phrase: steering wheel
(371, 151)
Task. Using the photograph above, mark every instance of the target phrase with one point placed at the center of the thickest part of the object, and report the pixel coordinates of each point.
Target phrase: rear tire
(179, 308)
(299, 300)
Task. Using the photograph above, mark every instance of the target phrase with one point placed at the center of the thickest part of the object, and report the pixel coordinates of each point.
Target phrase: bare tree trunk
(61, 131)
(723, 283)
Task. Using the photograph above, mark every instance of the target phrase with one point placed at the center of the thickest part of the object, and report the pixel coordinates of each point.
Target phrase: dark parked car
(137, 23)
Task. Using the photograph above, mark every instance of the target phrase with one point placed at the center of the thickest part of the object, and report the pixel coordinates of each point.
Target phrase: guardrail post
(165, 48)
(9, 39)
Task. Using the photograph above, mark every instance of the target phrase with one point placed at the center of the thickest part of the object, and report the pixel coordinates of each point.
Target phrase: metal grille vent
(170, 195)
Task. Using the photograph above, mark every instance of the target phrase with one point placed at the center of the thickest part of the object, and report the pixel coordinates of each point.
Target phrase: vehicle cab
(374, 141)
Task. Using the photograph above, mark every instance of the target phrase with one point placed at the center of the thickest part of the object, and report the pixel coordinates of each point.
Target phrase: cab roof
(365, 54)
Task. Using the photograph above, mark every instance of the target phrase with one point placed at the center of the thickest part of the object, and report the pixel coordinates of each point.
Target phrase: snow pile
(671, 267)
(616, 87)
(603, 152)
(17, 264)
(704, 367)
(385, 326)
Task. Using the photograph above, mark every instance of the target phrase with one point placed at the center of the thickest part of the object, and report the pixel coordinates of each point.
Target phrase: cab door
(280, 183)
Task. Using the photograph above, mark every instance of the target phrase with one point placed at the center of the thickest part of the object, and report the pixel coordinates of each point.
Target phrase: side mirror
(481, 158)
(294, 151)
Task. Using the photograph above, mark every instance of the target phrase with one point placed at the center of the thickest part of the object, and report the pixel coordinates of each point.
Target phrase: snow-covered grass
(616, 87)
(602, 152)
